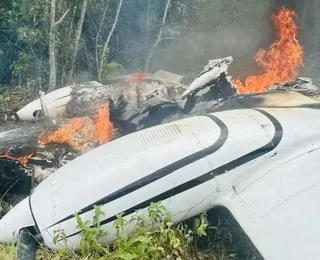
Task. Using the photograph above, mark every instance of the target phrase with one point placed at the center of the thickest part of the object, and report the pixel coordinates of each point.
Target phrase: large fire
(281, 63)
(81, 131)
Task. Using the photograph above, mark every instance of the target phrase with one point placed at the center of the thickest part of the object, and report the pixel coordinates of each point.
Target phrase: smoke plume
(240, 29)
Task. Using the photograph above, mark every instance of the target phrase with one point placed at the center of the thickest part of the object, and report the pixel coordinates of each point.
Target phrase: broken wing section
(276, 200)
(280, 212)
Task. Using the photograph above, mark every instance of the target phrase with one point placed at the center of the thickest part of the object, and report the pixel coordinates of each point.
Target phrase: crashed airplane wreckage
(256, 155)
(133, 99)
(133, 103)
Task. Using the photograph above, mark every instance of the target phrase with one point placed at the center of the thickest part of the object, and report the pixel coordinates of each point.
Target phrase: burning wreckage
(80, 117)
(254, 154)
(148, 137)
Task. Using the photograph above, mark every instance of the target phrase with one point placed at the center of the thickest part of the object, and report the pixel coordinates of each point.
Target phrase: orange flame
(22, 159)
(137, 77)
(80, 131)
(103, 128)
(282, 61)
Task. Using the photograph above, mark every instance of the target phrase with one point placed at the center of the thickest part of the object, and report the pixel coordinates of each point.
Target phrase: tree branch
(71, 23)
(166, 12)
(159, 36)
(62, 18)
(98, 36)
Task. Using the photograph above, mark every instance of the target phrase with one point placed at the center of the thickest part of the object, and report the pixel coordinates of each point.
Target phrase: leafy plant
(153, 236)
(21, 65)
(90, 244)
(4, 207)
(200, 224)
(108, 67)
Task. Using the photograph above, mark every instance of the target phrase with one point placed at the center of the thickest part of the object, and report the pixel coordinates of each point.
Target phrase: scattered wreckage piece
(125, 98)
(81, 99)
(61, 107)
(207, 77)
(212, 86)
(39, 149)
(161, 103)
(24, 140)
(301, 85)
(283, 95)
(140, 105)
(55, 102)
(258, 163)
(160, 75)
(168, 76)
(133, 102)
(222, 96)
(24, 160)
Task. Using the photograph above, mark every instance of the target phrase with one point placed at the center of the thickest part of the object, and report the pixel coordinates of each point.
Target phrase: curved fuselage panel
(174, 162)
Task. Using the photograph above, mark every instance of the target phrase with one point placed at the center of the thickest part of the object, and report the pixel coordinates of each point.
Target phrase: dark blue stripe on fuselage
(211, 174)
(159, 173)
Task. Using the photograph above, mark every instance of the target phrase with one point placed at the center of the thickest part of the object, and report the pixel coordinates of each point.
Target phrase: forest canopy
(49, 43)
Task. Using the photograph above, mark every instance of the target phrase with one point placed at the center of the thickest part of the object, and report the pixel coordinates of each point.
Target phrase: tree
(52, 45)
(75, 45)
(160, 36)
(6, 4)
(106, 44)
(60, 38)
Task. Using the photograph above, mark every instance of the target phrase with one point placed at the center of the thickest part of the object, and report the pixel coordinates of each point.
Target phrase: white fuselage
(259, 163)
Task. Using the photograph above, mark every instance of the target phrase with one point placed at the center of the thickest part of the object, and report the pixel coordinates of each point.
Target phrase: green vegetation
(55, 42)
(52, 43)
(153, 237)
(4, 207)
(7, 252)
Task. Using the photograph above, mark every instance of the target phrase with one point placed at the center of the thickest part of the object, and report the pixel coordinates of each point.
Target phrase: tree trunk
(52, 45)
(75, 46)
(98, 37)
(52, 52)
(106, 45)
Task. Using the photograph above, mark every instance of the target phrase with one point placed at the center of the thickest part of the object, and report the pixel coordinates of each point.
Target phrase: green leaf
(125, 256)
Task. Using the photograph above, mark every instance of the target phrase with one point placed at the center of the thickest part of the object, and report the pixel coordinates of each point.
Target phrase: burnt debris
(133, 105)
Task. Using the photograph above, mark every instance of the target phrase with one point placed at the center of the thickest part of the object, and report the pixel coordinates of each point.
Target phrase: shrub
(153, 238)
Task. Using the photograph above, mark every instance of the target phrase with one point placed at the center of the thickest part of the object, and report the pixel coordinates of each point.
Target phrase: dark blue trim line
(211, 174)
(159, 173)
(36, 227)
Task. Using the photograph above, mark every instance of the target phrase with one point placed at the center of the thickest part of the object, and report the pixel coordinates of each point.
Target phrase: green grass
(154, 237)
(7, 252)
(4, 207)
